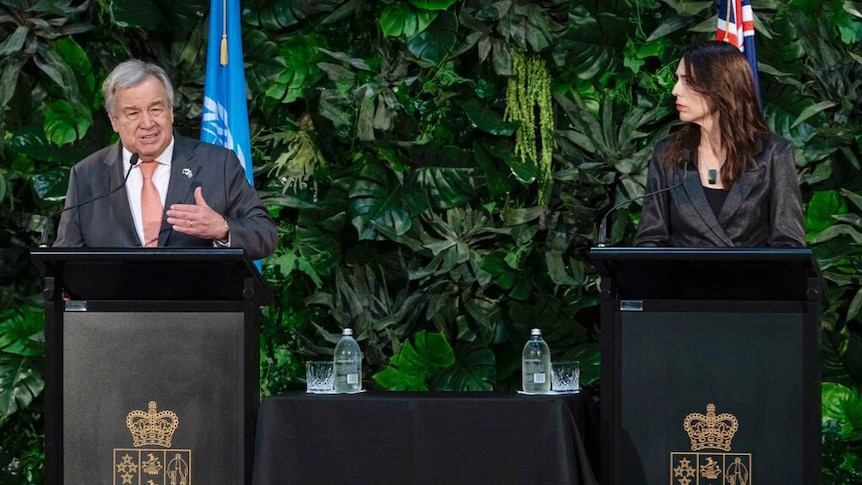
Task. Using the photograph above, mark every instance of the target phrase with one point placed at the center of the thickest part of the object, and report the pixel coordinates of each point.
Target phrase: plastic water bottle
(536, 364)
(348, 364)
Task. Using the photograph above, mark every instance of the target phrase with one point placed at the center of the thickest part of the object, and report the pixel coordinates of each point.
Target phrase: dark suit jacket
(107, 222)
(763, 208)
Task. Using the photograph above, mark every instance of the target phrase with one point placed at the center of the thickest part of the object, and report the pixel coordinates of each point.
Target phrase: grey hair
(129, 74)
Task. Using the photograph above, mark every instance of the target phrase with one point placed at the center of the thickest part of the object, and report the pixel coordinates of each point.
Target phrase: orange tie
(151, 205)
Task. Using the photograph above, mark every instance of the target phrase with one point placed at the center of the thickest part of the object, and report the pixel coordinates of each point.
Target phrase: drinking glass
(565, 376)
(320, 378)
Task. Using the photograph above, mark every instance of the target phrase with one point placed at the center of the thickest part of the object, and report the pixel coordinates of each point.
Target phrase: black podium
(152, 365)
(710, 366)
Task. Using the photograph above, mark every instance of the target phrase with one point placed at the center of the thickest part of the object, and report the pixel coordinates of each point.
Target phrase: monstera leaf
(474, 369)
(20, 345)
(300, 69)
(376, 200)
(844, 405)
(783, 105)
(412, 367)
(265, 63)
(400, 19)
(593, 45)
(438, 41)
(443, 173)
(822, 206)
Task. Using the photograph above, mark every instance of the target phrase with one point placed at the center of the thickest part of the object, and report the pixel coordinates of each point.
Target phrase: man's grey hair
(129, 74)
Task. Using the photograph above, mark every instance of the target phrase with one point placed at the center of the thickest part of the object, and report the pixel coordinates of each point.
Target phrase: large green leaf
(844, 405)
(488, 120)
(783, 105)
(443, 173)
(593, 45)
(504, 149)
(64, 124)
(377, 200)
(270, 15)
(31, 141)
(474, 369)
(50, 185)
(20, 384)
(20, 343)
(265, 63)
(20, 331)
(15, 41)
(76, 57)
(55, 68)
(821, 208)
(300, 57)
(433, 4)
(400, 19)
(412, 366)
(445, 188)
(438, 41)
(9, 79)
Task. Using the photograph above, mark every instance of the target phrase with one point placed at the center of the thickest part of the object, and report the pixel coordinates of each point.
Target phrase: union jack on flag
(736, 26)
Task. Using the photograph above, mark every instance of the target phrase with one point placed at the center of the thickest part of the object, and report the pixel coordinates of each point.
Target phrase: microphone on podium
(603, 225)
(43, 240)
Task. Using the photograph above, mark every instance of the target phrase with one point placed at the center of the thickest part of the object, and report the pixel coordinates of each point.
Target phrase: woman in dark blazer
(733, 181)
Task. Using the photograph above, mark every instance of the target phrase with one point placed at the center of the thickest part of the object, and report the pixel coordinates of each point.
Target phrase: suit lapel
(120, 198)
(180, 184)
(697, 197)
(751, 177)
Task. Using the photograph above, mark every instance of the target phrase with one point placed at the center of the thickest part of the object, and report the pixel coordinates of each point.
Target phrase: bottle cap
(536, 331)
(347, 331)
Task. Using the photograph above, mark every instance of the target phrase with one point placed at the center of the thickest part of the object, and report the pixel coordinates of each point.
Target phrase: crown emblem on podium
(152, 428)
(711, 431)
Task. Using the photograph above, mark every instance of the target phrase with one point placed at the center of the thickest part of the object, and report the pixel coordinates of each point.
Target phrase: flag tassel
(223, 46)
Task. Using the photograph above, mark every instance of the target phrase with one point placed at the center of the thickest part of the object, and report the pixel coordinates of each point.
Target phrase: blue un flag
(225, 112)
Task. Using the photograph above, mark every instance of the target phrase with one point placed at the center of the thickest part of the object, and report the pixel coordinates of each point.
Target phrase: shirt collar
(164, 158)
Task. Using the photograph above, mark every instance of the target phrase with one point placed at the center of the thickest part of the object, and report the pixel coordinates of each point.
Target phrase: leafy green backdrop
(437, 169)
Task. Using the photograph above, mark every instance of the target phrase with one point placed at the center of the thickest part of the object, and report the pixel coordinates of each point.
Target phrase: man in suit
(178, 192)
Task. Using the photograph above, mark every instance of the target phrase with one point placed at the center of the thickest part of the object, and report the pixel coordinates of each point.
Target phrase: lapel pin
(187, 172)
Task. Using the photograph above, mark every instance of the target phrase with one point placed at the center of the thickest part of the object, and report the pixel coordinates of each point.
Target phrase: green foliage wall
(437, 169)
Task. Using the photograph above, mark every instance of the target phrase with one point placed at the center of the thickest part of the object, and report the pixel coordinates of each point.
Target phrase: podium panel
(710, 368)
(151, 365)
(675, 364)
(116, 363)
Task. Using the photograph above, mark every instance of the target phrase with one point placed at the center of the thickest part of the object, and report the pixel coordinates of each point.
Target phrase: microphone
(43, 242)
(603, 238)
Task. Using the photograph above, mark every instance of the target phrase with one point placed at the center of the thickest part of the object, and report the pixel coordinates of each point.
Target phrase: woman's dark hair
(720, 73)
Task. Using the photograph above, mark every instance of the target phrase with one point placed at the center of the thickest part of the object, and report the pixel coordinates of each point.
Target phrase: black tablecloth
(426, 438)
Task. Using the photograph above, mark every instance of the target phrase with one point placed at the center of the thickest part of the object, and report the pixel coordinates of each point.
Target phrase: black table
(426, 438)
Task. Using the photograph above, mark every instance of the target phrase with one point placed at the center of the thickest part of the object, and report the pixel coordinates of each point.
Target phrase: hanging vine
(528, 101)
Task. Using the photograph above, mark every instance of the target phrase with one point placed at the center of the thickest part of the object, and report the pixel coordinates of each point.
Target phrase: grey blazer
(763, 208)
(107, 222)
